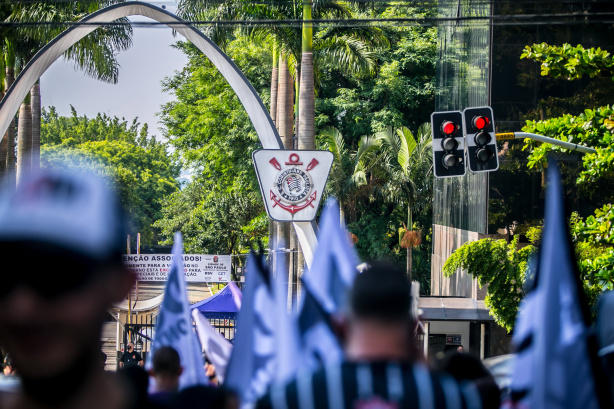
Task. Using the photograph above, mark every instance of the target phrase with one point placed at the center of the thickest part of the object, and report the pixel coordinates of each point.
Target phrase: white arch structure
(248, 96)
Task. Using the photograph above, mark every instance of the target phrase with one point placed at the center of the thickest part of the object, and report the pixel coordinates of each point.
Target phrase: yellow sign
(505, 136)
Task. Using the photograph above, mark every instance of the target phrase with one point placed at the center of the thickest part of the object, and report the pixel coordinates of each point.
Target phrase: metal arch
(256, 110)
(248, 96)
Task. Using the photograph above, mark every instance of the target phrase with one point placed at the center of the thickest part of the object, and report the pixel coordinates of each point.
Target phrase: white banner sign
(197, 268)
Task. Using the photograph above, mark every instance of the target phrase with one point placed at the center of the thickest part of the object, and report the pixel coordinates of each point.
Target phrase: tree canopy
(503, 265)
(211, 133)
(137, 166)
(220, 210)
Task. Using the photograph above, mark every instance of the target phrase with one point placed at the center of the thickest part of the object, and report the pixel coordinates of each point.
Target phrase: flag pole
(129, 320)
(138, 251)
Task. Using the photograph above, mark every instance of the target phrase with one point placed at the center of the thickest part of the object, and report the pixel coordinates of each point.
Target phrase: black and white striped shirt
(372, 385)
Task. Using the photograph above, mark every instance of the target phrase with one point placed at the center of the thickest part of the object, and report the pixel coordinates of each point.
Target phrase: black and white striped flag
(555, 366)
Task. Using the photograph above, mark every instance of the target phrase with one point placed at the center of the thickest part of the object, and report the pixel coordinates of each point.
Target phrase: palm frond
(389, 141)
(334, 140)
(345, 53)
(366, 145)
(407, 144)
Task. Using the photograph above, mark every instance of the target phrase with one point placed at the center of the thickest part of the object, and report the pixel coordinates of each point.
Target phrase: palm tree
(408, 162)
(352, 172)
(330, 47)
(306, 128)
(24, 138)
(274, 85)
(3, 141)
(9, 56)
(94, 54)
(348, 49)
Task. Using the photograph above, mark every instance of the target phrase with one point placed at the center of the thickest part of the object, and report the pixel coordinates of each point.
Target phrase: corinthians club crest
(292, 182)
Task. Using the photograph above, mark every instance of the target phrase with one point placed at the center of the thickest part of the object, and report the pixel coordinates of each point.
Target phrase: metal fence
(142, 334)
(226, 325)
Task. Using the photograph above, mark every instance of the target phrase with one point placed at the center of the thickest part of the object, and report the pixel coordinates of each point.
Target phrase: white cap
(73, 210)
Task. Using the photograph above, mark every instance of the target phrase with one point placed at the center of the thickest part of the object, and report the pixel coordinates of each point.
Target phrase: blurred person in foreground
(605, 337)
(382, 369)
(166, 370)
(9, 369)
(210, 372)
(61, 239)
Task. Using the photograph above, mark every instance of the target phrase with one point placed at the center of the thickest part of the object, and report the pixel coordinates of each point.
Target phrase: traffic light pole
(541, 138)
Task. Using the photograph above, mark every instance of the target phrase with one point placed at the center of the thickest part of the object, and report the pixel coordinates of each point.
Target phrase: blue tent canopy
(225, 304)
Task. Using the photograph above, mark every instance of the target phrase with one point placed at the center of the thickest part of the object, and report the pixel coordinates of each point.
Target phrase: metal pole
(482, 339)
(541, 138)
(138, 251)
(426, 339)
(129, 320)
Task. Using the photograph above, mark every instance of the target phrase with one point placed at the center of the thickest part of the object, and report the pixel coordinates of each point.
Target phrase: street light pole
(541, 138)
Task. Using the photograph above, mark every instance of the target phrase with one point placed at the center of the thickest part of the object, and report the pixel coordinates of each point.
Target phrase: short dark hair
(166, 360)
(8, 361)
(382, 291)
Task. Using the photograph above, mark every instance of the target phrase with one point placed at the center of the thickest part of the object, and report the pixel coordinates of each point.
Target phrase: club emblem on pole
(292, 182)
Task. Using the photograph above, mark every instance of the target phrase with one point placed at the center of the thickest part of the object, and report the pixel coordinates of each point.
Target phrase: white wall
(452, 327)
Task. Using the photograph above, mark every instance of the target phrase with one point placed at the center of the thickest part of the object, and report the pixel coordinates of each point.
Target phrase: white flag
(174, 327)
(326, 286)
(217, 348)
(334, 263)
(555, 362)
(287, 346)
(251, 365)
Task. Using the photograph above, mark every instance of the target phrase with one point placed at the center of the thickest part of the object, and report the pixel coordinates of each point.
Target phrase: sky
(138, 92)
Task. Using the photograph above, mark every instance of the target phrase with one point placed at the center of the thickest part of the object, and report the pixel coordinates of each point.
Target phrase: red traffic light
(448, 127)
(480, 122)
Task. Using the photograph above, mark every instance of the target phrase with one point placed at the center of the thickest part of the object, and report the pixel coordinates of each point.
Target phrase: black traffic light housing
(448, 144)
(479, 125)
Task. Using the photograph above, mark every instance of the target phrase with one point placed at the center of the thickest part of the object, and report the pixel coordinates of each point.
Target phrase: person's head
(166, 369)
(460, 348)
(8, 369)
(61, 237)
(130, 347)
(379, 308)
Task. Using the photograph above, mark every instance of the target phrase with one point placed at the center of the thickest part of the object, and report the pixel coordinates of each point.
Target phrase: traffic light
(479, 126)
(448, 144)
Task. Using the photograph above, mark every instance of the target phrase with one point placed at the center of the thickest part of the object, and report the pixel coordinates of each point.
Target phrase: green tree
(95, 55)
(401, 93)
(214, 222)
(570, 62)
(407, 166)
(348, 178)
(594, 128)
(501, 266)
(137, 166)
(220, 210)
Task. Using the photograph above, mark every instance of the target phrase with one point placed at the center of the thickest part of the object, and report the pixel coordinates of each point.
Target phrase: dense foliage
(501, 266)
(212, 134)
(570, 62)
(137, 166)
(595, 247)
(593, 128)
(401, 94)
(220, 211)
